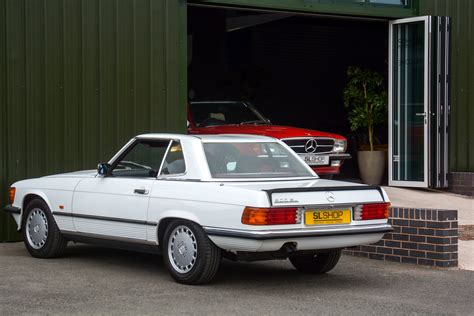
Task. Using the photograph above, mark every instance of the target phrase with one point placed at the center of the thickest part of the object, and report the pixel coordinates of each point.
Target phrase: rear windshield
(253, 160)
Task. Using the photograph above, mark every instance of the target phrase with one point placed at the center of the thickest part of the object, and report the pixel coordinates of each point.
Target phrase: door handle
(140, 191)
(425, 120)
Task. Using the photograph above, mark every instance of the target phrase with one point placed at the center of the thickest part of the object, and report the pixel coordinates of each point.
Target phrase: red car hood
(265, 130)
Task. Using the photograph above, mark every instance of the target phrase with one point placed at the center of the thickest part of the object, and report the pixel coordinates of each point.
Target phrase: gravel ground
(466, 232)
(93, 280)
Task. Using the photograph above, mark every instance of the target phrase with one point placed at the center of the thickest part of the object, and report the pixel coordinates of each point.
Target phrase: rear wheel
(40, 233)
(191, 257)
(316, 263)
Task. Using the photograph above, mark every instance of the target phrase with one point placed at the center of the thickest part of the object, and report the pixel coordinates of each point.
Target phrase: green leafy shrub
(365, 94)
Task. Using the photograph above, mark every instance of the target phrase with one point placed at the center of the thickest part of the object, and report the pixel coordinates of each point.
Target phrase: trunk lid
(316, 192)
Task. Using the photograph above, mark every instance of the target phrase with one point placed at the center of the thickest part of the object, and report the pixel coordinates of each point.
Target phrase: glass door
(419, 101)
(409, 101)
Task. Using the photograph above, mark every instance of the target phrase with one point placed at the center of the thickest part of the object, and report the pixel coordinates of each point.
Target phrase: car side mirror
(103, 169)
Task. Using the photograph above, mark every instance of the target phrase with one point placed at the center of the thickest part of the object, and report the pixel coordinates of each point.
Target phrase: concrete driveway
(93, 280)
(420, 198)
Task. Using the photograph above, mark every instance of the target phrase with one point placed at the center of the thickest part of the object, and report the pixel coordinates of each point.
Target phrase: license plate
(314, 160)
(328, 217)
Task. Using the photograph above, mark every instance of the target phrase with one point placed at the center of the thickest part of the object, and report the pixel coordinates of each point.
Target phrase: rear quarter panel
(206, 203)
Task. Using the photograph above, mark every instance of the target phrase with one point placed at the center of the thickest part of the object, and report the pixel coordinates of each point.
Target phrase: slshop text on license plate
(327, 217)
(314, 160)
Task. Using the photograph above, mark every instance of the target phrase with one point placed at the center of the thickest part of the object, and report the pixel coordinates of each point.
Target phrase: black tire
(316, 263)
(53, 242)
(207, 255)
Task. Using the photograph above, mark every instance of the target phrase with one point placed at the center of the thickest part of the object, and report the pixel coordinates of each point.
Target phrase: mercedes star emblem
(330, 196)
(311, 145)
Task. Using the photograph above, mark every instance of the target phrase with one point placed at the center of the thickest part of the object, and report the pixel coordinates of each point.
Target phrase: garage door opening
(291, 67)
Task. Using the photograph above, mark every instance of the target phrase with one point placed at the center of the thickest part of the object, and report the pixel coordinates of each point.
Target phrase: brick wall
(461, 183)
(421, 236)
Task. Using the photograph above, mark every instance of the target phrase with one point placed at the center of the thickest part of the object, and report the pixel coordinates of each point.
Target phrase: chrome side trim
(105, 218)
(95, 238)
(298, 233)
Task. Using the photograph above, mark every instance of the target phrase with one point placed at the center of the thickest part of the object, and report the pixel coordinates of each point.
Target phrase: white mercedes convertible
(196, 199)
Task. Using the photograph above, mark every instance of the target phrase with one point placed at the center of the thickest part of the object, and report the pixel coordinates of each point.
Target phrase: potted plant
(365, 95)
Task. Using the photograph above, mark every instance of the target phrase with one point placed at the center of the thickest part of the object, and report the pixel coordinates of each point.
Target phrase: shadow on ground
(95, 280)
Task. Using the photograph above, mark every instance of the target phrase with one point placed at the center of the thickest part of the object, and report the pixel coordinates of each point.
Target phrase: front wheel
(191, 257)
(316, 263)
(41, 235)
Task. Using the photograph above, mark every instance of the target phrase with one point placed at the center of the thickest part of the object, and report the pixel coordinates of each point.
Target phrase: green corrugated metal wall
(462, 78)
(78, 78)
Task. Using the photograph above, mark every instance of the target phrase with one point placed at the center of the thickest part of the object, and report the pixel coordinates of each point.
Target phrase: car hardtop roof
(208, 138)
(164, 135)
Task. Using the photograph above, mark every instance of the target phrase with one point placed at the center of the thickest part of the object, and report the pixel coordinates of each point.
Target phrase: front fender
(21, 197)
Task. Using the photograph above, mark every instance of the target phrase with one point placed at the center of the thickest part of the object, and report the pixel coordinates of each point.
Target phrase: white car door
(115, 206)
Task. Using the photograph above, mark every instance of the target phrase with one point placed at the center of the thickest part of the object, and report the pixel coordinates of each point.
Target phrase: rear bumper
(12, 209)
(235, 240)
(298, 233)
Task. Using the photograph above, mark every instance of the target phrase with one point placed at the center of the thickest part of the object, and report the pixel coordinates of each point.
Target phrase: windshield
(253, 160)
(224, 113)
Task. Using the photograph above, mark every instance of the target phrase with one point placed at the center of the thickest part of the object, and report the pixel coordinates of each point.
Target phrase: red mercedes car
(324, 152)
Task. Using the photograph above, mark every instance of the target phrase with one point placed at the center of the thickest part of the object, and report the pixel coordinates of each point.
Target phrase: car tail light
(372, 211)
(11, 194)
(271, 216)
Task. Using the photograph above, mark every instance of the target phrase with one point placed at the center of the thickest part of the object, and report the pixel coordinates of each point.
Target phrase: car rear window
(253, 160)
